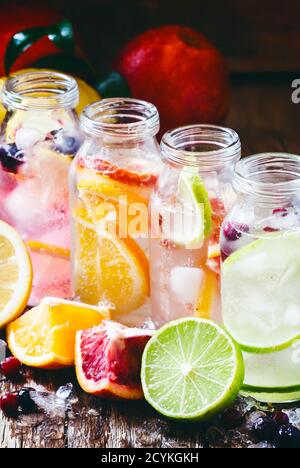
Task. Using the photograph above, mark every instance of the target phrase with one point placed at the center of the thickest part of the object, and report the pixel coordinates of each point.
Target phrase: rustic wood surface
(266, 119)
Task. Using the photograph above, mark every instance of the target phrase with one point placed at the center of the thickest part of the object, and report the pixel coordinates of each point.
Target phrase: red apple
(181, 72)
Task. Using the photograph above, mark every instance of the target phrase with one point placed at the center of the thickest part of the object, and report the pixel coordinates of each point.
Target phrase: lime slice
(275, 371)
(191, 369)
(260, 294)
(272, 397)
(191, 221)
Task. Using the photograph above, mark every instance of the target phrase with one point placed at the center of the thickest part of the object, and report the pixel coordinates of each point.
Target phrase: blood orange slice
(134, 174)
(108, 360)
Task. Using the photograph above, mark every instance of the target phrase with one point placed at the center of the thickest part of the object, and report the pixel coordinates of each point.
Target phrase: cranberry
(234, 231)
(10, 367)
(270, 229)
(9, 403)
(231, 419)
(25, 401)
(11, 157)
(265, 428)
(283, 211)
(288, 436)
(280, 418)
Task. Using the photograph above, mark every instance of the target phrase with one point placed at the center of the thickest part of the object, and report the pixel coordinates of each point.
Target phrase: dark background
(256, 36)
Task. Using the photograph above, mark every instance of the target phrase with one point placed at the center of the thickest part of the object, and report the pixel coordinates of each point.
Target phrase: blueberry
(280, 418)
(64, 143)
(11, 157)
(287, 436)
(25, 401)
(231, 419)
(265, 428)
(234, 231)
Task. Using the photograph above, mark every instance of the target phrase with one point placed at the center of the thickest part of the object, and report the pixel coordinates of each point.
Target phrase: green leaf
(113, 85)
(61, 34)
(68, 63)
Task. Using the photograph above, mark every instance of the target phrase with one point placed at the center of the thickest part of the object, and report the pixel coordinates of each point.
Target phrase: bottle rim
(40, 90)
(268, 175)
(120, 117)
(208, 147)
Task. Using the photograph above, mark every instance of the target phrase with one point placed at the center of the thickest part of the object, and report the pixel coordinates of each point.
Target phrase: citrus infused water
(189, 202)
(261, 273)
(39, 137)
(112, 178)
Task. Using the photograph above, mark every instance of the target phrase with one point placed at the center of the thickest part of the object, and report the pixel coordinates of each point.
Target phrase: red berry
(231, 419)
(10, 367)
(281, 418)
(9, 403)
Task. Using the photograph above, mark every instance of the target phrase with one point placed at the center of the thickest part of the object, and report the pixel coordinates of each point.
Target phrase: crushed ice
(55, 405)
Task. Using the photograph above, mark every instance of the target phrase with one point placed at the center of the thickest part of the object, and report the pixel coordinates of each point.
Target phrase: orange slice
(44, 337)
(209, 295)
(118, 270)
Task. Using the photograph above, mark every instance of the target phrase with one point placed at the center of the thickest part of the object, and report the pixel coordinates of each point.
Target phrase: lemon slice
(53, 250)
(15, 274)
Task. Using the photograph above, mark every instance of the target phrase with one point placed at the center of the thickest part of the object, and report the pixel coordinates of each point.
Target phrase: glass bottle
(191, 198)
(112, 178)
(260, 244)
(39, 137)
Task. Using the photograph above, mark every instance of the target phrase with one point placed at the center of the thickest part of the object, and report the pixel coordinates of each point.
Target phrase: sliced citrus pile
(15, 274)
(45, 336)
(118, 270)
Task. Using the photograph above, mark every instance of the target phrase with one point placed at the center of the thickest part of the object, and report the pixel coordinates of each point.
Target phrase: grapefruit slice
(108, 360)
(135, 173)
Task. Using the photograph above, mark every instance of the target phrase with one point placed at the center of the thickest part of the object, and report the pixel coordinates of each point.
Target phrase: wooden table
(267, 120)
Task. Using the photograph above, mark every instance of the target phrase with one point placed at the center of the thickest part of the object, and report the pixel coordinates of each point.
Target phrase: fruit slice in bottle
(117, 272)
(15, 274)
(45, 336)
(272, 397)
(99, 192)
(195, 290)
(261, 302)
(274, 371)
(108, 360)
(191, 369)
(191, 221)
(51, 265)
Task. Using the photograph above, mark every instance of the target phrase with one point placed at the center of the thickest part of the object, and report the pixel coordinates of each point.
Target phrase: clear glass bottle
(260, 244)
(191, 198)
(39, 137)
(112, 178)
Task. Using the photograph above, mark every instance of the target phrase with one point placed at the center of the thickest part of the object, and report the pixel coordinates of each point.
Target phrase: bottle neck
(270, 178)
(120, 120)
(40, 91)
(207, 147)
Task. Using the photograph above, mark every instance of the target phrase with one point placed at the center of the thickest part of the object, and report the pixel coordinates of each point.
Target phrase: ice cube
(3, 349)
(55, 405)
(186, 283)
